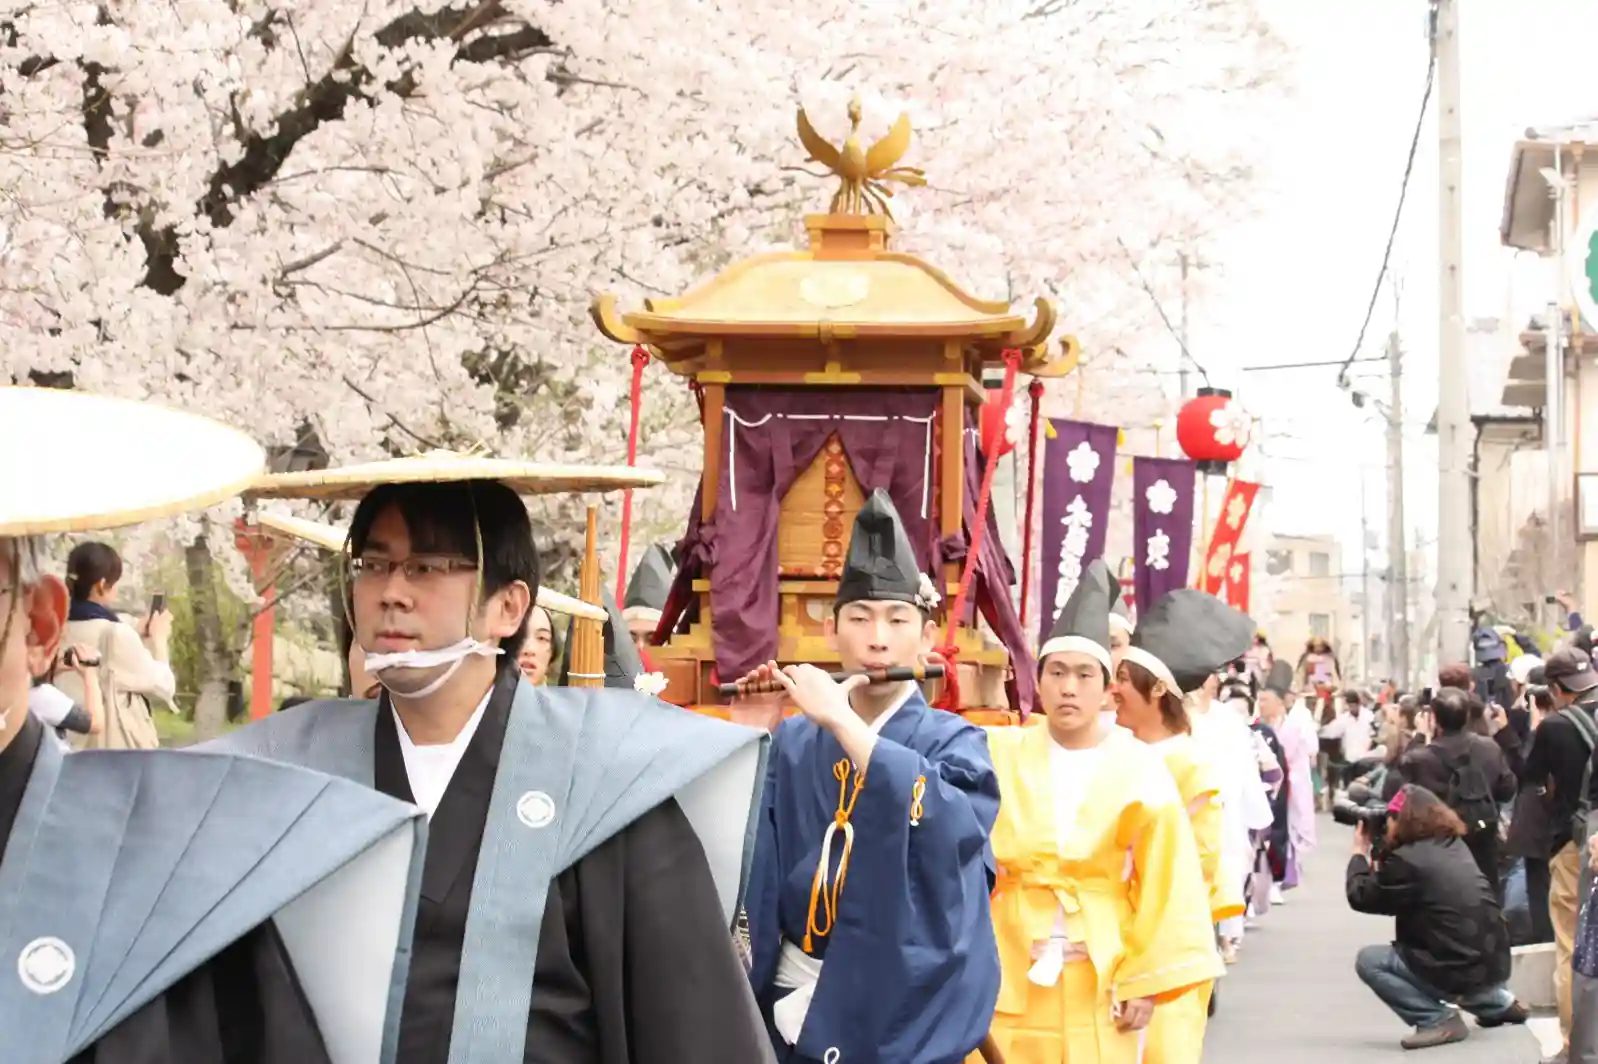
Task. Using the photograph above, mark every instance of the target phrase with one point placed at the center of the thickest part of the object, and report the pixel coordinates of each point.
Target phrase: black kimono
(245, 1006)
(636, 962)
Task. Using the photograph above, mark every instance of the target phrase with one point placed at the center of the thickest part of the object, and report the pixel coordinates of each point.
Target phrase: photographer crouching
(1450, 943)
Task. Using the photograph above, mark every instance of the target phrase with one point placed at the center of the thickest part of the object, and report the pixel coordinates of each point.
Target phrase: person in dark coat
(1449, 938)
(1467, 771)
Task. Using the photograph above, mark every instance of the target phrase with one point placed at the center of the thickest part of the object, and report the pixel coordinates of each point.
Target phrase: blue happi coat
(911, 970)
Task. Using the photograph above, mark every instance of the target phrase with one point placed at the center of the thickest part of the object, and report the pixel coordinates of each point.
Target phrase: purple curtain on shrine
(770, 437)
(993, 578)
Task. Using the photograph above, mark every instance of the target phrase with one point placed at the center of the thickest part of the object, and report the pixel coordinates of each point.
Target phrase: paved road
(1294, 996)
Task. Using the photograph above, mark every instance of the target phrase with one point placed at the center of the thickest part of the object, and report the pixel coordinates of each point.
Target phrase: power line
(1158, 306)
(1398, 214)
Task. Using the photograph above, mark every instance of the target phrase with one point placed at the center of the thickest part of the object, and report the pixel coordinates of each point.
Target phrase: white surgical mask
(454, 656)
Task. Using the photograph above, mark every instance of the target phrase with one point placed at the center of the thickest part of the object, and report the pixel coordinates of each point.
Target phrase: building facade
(1309, 597)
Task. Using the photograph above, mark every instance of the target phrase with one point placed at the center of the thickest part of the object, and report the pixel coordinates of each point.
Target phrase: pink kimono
(1300, 798)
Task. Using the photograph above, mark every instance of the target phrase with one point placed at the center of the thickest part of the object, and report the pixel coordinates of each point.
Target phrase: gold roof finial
(864, 172)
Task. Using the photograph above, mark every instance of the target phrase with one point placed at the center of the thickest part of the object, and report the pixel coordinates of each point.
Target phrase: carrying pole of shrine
(256, 544)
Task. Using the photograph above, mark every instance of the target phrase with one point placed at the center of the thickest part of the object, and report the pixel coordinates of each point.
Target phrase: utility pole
(1366, 610)
(1397, 541)
(1454, 569)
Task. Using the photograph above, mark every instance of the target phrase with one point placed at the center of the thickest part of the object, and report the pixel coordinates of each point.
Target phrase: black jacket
(1449, 929)
(1556, 763)
(1423, 765)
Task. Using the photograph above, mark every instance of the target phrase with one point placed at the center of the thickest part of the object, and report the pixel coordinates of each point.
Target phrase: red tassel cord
(640, 359)
(1035, 391)
(949, 652)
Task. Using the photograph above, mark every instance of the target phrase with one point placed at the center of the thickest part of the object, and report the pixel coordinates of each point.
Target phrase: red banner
(1226, 537)
(1237, 582)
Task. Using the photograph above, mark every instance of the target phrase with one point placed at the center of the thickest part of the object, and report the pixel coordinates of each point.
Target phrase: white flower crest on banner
(1161, 497)
(1236, 510)
(1083, 463)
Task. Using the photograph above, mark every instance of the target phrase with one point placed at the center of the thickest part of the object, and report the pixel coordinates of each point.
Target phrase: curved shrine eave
(793, 294)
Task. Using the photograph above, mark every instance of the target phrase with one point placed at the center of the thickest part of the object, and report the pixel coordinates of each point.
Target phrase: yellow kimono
(1123, 879)
(1176, 1035)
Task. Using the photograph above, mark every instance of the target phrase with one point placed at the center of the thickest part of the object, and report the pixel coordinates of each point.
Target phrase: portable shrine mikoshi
(822, 374)
(263, 534)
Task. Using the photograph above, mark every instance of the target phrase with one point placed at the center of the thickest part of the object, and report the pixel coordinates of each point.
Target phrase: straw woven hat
(76, 462)
(336, 538)
(436, 467)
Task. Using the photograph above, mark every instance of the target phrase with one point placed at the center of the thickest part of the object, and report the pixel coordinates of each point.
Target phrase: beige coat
(130, 678)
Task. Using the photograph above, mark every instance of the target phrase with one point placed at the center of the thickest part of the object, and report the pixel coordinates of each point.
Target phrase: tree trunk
(211, 651)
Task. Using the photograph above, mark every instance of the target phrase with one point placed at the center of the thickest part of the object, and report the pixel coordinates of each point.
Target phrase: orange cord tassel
(824, 895)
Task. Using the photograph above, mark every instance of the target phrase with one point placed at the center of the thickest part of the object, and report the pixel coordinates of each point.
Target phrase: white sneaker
(1277, 897)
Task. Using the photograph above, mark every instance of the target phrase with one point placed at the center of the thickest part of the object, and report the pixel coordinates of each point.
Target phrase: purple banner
(1078, 473)
(1162, 525)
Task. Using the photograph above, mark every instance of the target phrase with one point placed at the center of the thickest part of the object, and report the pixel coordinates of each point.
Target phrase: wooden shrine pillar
(259, 549)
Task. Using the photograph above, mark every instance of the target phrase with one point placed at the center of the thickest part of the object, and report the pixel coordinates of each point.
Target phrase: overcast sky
(1292, 285)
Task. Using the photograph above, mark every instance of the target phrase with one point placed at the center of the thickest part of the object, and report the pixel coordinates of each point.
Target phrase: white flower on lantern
(927, 596)
(1015, 421)
(1158, 552)
(1083, 462)
(1161, 497)
(1232, 424)
(650, 683)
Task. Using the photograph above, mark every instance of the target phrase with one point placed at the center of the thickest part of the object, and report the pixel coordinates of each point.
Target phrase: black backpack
(1470, 793)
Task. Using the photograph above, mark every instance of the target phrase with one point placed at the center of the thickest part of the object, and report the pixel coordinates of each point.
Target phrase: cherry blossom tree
(375, 227)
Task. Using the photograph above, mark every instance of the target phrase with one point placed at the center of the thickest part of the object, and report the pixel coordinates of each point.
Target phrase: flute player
(872, 865)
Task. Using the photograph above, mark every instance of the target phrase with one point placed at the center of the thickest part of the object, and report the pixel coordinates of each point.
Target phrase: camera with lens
(1361, 806)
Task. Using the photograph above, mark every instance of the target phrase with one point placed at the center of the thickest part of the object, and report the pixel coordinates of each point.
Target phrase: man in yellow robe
(1100, 908)
(1184, 638)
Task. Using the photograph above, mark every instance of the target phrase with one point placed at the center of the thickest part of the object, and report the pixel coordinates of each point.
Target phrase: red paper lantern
(1002, 430)
(1213, 429)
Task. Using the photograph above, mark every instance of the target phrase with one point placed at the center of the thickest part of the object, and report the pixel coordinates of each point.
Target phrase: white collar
(461, 739)
(898, 704)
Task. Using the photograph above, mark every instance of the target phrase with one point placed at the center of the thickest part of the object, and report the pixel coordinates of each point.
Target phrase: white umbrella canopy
(77, 462)
(352, 483)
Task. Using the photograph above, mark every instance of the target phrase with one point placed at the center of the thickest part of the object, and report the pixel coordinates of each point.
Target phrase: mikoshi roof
(351, 483)
(77, 462)
(336, 538)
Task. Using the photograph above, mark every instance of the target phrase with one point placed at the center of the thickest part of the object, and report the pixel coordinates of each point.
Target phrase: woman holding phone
(134, 658)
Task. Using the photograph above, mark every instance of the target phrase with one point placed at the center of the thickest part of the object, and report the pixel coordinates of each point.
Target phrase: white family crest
(1232, 425)
(1158, 552)
(1078, 520)
(650, 683)
(1083, 463)
(1161, 497)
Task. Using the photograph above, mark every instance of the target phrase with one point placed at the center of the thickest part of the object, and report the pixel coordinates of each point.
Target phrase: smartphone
(157, 603)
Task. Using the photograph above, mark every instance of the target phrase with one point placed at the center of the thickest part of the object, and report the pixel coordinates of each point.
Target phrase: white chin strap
(453, 656)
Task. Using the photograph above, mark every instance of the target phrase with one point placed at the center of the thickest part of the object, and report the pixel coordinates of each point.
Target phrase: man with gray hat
(1559, 763)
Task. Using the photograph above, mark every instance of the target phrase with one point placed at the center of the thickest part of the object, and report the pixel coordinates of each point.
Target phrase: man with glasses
(586, 845)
